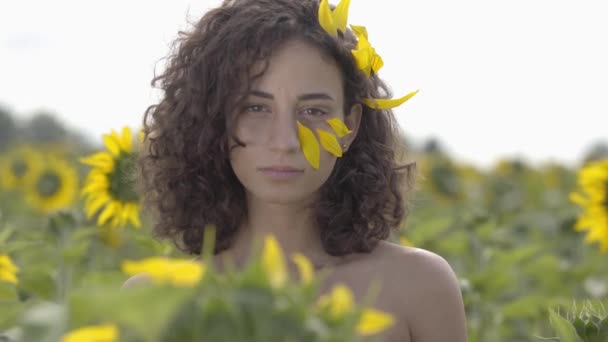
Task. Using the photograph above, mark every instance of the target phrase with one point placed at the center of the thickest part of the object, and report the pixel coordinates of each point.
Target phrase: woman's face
(299, 86)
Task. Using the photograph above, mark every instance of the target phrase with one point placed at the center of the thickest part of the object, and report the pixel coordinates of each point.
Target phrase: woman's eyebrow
(302, 97)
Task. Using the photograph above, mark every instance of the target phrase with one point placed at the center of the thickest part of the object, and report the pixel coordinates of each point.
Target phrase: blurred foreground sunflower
(592, 196)
(109, 188)
(16, 166)
(52, 185)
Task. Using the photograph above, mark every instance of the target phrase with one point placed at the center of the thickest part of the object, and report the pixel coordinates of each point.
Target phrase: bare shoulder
(428, 290)
(136, 280)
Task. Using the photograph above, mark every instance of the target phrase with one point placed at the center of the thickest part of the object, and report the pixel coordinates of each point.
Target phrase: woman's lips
(281, 173)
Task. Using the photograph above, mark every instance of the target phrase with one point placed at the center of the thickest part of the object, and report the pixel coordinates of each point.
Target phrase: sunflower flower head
(17, 166)
(53, 185)
(109, 188)
(592, 197)
(8, 270)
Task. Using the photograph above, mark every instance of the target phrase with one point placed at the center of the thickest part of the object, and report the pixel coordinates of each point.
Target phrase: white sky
(525, 78)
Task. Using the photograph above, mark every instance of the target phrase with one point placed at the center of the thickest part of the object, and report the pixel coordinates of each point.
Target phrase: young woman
(273, 122)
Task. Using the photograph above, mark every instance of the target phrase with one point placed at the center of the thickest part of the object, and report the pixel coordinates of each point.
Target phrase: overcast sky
(516, 78)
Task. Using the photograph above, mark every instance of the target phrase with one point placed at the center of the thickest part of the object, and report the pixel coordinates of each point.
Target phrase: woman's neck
(293, 226)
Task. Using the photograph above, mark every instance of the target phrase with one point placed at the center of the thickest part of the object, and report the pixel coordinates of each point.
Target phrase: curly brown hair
(185, 175)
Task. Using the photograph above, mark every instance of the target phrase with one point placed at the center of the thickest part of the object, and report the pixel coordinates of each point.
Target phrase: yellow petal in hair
(326, 18)
(365, 55)
(340, 15)
(330, 143)
(388, 103)
(339, 127)
(310, 146)
(359, 31)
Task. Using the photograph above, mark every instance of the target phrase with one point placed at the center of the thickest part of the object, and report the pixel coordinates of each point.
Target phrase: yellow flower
(8, 270)
(51, 186)
(333, 21)
(17, 166)
(95, 333)
(593, 198)
(110, 186)
(338, 302)
(374, 321)
(177, 272)
(304, 267)
(273, 262)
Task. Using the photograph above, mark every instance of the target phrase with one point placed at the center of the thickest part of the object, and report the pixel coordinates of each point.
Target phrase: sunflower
(110, 186)
(593, 198)
(52, 185)
(16, 166)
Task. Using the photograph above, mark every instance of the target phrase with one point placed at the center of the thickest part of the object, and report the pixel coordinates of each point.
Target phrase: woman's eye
(255, 108)
(314, 112)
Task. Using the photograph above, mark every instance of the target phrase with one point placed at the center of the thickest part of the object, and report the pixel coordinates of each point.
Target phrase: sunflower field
(529, 244)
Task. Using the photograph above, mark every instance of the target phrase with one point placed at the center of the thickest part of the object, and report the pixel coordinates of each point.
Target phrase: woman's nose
(284, 133)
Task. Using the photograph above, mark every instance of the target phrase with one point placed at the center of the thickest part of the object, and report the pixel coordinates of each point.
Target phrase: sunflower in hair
(109, 187)
(52, 185)
(16, 166)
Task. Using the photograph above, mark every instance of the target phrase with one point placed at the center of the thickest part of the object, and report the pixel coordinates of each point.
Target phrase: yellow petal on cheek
(330, 143)
(340, 15)
(326, 18)
(388, 103)
(310, 146)
(339, 127)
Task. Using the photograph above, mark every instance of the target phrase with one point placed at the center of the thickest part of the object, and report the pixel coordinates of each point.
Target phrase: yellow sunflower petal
(339, 127)
(95, 204)
(341, 300)
(8, 277)
(98, 333)
(359, 31)
(388, 103)
(102, 160)
(304, 267)
(362, 58)
(108, 212)
(310, 146)
(376, 62)
(134, 216)
(329, 143)
(273, 262)
(326, 18)
(112, 143)
(7, 264)
(96, 187)
(126, 141)
(340, 15)
(374, 321)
